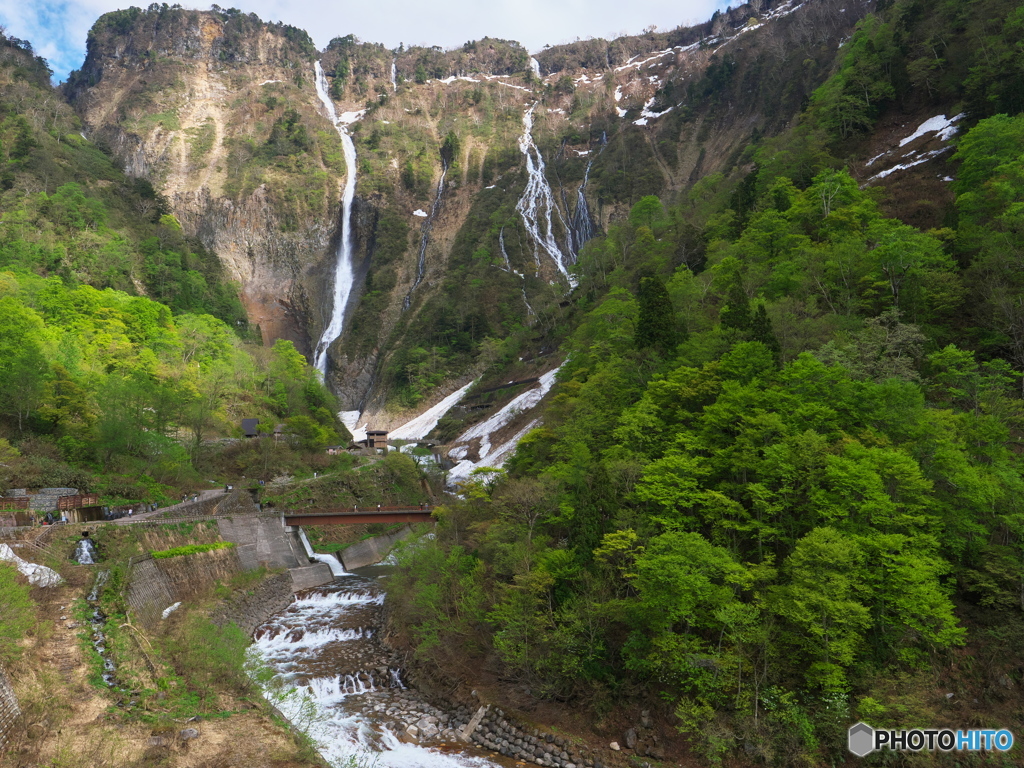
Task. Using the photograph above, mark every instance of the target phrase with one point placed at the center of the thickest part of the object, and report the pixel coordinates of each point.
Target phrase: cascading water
(508, 268)
(344, 273)
(581, 225)
(85, 552)
(337, 569)
(428, 223)
(99, 639)
(537, 202)
(335, 681)
(394, 76)
(535, 68)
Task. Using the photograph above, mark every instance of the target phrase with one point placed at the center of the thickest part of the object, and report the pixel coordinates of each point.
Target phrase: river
(336, 681)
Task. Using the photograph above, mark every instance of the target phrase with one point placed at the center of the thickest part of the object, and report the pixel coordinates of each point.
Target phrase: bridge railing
(342, 510)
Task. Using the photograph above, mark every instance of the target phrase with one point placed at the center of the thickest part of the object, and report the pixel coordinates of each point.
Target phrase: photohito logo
(862, 740)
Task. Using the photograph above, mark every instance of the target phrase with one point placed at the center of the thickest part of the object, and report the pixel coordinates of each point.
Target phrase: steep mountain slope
(188, 101)
(459, 240)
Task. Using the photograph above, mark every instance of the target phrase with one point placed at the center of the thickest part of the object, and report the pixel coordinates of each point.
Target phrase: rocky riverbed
(340, 684)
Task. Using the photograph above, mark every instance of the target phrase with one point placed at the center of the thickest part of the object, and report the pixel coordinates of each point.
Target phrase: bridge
(344, 516)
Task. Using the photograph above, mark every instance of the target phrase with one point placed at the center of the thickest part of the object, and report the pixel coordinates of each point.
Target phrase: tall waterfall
(425, 237)
(535, 68)
(343, 272)
(581, 225)
(394, 76)
(537, 202)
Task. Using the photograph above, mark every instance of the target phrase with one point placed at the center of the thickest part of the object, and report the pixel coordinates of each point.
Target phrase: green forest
(779, 484)
(125, 354)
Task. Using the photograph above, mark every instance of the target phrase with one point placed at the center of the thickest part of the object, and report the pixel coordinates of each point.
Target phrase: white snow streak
(422, 425)
(940, 123)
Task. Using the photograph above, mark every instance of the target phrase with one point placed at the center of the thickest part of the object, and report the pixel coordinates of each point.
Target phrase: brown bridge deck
(367, 515)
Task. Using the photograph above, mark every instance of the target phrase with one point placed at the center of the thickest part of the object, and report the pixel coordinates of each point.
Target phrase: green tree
(23, 364)
(656, 318)
(822, 602)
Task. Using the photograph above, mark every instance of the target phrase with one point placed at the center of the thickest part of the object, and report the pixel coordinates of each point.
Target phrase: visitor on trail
(130, 511)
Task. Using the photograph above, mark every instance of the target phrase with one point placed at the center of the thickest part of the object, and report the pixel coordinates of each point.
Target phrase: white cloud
(57, 28)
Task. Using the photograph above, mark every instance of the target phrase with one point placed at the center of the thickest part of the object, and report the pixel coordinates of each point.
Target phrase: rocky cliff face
(220, 111)
(186, 99)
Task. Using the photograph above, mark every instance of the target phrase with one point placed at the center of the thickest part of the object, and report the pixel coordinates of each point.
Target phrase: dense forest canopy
(779, 484)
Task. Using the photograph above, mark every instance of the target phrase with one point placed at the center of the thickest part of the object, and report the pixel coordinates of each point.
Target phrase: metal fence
(9, 710)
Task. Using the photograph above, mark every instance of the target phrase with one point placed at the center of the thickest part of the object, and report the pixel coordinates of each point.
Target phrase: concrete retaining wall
(149, 590)
(154, 584)
(310, 576)
(263, 539)
(9, 710)
(371, 551)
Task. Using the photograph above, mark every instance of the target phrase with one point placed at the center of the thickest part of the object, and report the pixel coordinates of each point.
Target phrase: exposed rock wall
(185, 99)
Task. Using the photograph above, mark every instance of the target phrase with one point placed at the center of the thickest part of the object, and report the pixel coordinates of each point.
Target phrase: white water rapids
(332, 679)
(344, 274)
(537, 202)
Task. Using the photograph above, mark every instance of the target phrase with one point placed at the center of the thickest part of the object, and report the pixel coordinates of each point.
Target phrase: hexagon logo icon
(861, 739)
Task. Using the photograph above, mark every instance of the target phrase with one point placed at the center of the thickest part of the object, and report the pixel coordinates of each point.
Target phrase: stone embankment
(251, 607)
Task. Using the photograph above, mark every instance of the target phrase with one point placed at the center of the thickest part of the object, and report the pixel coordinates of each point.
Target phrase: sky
(57, 28)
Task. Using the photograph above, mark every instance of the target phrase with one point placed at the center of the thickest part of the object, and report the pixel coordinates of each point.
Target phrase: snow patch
(914, 161)
(940, 123)
(519, 403)
(169, 610)
(422, 425)
(351, 420)
(420, 212)
(38, 575)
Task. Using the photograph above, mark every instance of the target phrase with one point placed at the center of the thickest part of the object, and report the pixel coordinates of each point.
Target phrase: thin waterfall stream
(344, 272)
(335, 680)
(428, 224)
(581, 224)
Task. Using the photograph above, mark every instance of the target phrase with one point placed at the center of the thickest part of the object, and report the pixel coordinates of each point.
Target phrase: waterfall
(343, 272)
(535, 68)
(537, 201)
(85, 552)
(337, 569)
(581, 225)
(428, 223)
(394, 76)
